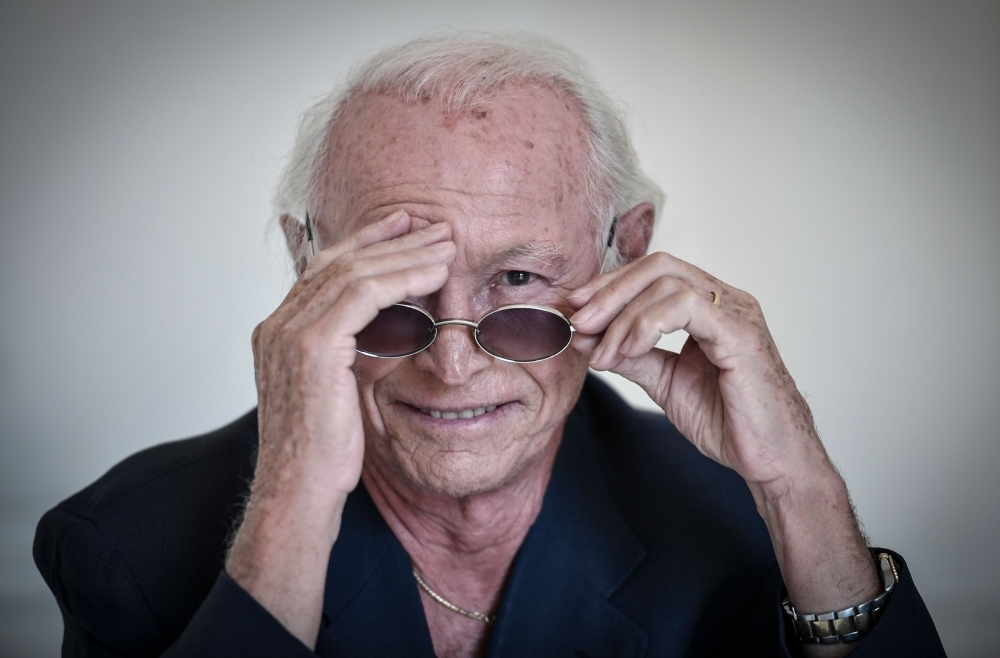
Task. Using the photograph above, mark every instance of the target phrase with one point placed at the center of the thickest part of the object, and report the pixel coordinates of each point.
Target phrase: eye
(516, 278)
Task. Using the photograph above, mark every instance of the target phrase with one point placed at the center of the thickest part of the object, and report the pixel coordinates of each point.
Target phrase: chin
(459, 474)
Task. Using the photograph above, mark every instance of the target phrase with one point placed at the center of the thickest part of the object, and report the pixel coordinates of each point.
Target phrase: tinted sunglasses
(519, 333)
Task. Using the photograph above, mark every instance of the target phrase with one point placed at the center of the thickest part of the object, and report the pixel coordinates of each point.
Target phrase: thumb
(652, 371)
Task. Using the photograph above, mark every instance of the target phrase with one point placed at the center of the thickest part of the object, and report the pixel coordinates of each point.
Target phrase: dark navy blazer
(643, 547)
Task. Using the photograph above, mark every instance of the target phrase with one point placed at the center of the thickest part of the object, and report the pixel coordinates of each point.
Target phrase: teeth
(455, 415)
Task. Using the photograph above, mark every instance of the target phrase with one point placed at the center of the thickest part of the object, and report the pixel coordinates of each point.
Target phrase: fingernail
(393, 217)
(626, 345)
(583, 315)
(596, 356)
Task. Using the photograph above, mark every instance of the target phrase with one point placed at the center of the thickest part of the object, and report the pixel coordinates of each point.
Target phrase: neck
(462, 547)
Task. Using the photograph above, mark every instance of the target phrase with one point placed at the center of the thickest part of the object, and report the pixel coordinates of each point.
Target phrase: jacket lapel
(576, 555)
(578, 552)
(372, 606)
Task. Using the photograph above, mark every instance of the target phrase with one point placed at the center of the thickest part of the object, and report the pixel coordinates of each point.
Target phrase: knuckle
(361, 288)
(264, 333)
(309, 272)
(285, 335)
(349, 258)
(621, 285)
(645, 324)
(349, 269)
(301, 345)
(662, 286)
(338, 268)
(690, 298)
(614, 333)
(659, 259)
(659, 256)
(600, 297)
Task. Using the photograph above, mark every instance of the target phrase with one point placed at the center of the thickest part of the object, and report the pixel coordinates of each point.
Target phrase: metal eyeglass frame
(311, 244)
(475, 333)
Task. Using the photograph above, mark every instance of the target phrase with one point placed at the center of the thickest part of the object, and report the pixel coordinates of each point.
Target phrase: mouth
(463, 414)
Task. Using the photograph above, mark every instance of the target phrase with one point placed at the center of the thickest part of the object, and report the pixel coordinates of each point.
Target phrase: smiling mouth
(459, 415)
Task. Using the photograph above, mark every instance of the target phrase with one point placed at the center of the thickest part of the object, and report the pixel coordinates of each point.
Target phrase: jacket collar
(556, 601)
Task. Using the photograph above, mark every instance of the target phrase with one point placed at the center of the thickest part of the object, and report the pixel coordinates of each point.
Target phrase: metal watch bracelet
(851, 624)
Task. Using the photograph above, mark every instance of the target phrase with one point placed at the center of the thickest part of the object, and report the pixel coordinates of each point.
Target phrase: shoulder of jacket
(235, 442)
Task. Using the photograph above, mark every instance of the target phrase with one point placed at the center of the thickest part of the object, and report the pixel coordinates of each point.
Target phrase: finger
(385, 231)
(307, 298)
(650, 371)
(439, 253)
(585, 343)
(582, 295)
(619, 295)
(432, 234)
(639, 329)
(362, 298)
(388, 227)
(639, 326)
(608, 294)
(324, 292)
(313, 280)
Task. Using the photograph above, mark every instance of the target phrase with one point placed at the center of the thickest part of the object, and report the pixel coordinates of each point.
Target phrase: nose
(454, 357)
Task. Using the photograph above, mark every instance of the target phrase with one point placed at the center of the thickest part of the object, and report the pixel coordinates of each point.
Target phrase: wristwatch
(851, 624)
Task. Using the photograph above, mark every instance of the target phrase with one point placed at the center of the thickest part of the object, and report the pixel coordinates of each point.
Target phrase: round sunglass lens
(524, 334)
(396, 331)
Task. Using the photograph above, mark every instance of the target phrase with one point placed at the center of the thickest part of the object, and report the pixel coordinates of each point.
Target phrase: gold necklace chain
(479, 616)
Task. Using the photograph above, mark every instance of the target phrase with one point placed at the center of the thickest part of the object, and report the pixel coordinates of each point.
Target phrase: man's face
(509, 179)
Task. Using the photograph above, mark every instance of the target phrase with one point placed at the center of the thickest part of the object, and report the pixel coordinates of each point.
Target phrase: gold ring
(718, 300)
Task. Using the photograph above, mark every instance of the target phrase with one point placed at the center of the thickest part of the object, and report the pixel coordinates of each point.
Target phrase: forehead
(514, 165)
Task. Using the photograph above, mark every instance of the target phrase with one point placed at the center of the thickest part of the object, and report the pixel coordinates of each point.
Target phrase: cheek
(561, 378)
(369, 371)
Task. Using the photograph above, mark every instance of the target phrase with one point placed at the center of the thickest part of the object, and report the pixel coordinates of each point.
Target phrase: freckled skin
(481, 203)
(501, 175)
(505, 174)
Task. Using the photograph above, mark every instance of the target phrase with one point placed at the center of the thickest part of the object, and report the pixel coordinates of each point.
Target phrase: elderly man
(433, 471)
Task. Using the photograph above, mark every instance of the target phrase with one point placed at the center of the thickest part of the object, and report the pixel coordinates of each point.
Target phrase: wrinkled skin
(437, 210)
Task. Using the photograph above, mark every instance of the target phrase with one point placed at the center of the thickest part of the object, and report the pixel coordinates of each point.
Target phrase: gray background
(839, 160)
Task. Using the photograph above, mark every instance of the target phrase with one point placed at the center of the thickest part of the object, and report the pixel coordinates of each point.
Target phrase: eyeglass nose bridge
(461, 323)
(464, 323)
(475, 332)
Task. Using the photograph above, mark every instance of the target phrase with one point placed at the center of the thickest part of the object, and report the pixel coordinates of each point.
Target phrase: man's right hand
(311, 437)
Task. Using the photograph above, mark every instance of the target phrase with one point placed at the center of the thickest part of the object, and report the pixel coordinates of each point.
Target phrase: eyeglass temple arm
(607, 247)
(310, 242)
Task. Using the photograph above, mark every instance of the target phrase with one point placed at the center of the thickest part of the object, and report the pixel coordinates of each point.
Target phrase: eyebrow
(544, 252)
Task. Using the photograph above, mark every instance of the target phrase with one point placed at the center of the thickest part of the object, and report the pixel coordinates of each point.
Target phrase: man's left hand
(729, 393)
(727, 390)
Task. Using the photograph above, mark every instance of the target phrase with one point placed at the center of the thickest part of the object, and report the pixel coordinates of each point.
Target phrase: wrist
(280, 556)
(822, 554)
(296, 517)
(834, 632)
(799, 492)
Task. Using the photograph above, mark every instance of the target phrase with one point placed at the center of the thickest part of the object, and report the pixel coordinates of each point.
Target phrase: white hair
(462, 71)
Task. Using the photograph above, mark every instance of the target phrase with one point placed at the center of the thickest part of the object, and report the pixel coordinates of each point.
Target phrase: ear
(634, 231)
(295, 238)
